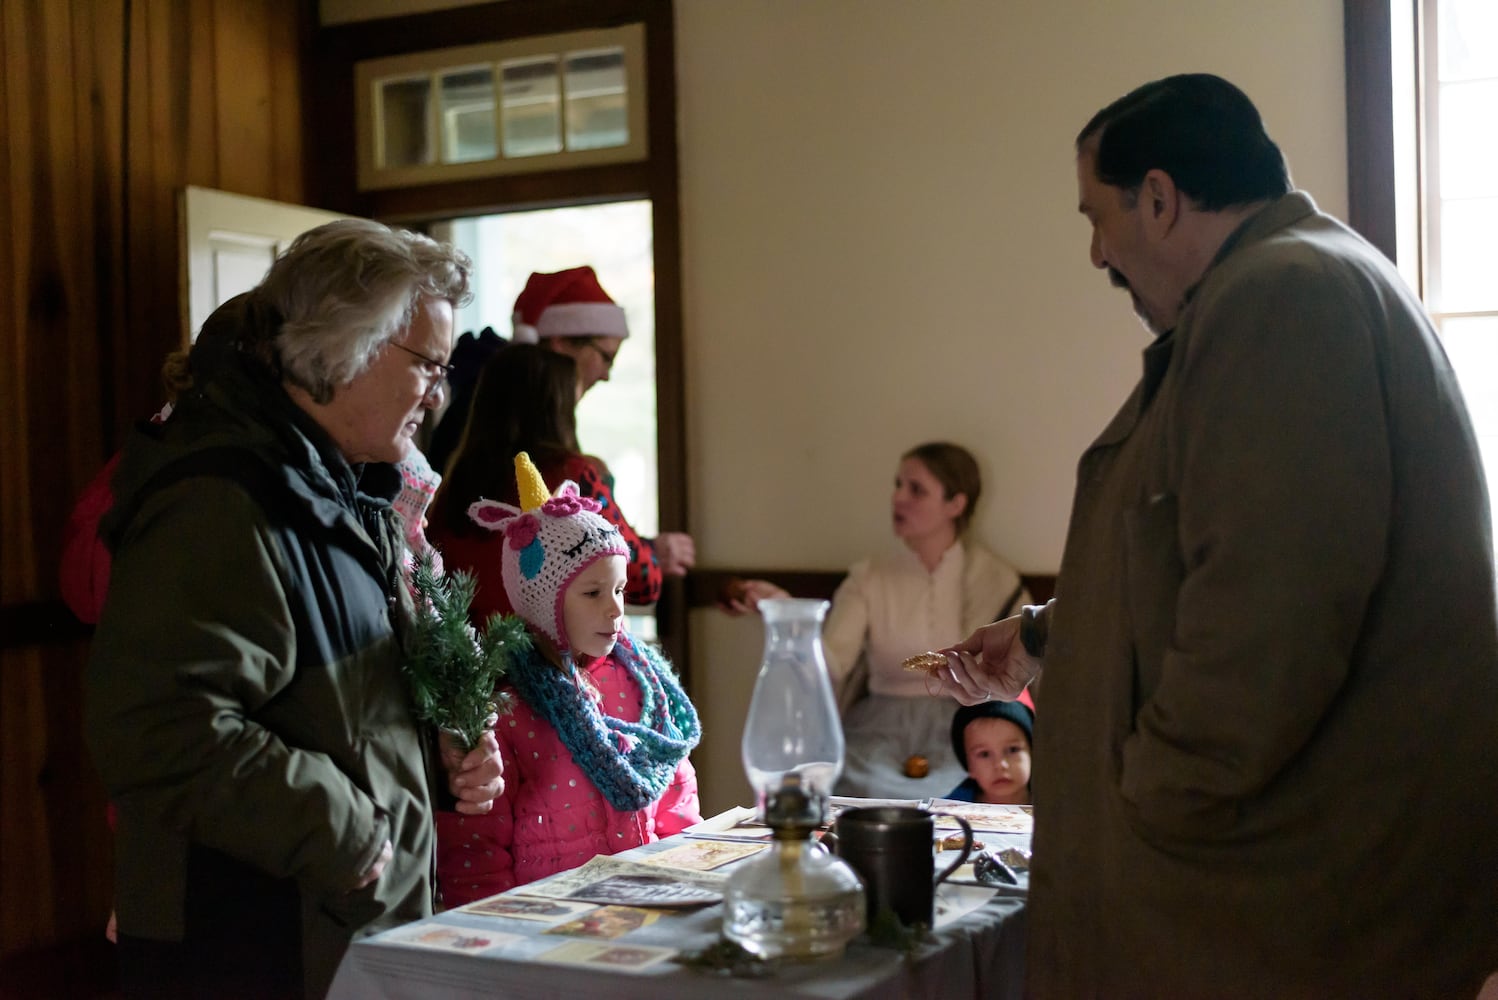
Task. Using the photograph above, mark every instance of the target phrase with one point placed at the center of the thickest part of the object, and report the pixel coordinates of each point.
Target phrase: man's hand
(475, 778)
(991, 664)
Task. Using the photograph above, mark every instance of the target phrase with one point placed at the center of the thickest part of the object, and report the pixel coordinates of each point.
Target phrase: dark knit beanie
(1010, 711)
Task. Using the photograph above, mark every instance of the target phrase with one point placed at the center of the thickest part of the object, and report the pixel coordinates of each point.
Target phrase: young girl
(992, 741)
(595, 746)
(525, 401)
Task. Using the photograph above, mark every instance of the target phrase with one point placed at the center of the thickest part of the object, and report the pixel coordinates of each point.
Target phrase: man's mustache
(1116, 278)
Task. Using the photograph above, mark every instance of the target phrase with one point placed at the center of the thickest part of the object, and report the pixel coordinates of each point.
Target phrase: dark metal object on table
(890, 848)
(989, 870)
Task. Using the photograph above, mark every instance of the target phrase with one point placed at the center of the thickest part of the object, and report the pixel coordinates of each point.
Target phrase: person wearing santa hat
(570, 313)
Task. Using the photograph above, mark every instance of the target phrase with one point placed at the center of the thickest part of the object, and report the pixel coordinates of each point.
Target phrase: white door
(229, 242)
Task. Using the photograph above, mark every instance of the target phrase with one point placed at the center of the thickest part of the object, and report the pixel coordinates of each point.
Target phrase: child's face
(593, 608)
(998, 758)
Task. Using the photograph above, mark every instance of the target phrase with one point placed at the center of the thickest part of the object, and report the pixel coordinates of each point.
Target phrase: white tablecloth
(979, 955)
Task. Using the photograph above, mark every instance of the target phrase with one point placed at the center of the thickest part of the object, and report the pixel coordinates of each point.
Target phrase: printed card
(618, 957)
(606, 922)
(527, 908)
(445, 938)
(645, 890)
(1000, 819)
(703, 855)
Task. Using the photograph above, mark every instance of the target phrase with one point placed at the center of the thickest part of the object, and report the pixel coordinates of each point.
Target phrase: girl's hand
(476, 778)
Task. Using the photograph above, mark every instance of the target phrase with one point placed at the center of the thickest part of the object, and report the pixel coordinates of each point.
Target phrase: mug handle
(967, 847)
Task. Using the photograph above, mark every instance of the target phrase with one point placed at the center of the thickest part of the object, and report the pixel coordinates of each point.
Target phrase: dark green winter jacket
(245, 703)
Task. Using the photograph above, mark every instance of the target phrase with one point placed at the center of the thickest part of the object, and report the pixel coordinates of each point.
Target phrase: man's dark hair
(1198, 128)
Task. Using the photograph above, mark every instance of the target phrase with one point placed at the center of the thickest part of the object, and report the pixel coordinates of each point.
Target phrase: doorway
(617, 419)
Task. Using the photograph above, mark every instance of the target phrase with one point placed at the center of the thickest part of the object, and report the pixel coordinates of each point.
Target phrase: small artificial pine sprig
(453, 671)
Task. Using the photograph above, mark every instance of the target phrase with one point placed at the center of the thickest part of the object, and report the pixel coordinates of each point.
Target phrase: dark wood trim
(489, 195)
(486, 22)
(35, 623)
(1370, 122)
(705, 587)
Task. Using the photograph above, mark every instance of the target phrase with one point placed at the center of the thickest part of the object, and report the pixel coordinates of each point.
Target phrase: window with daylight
(1459, 105)
(542, 103)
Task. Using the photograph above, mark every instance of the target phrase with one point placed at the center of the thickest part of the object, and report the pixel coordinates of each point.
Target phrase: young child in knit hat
(992, 742)
(419, 482)
(595, 747)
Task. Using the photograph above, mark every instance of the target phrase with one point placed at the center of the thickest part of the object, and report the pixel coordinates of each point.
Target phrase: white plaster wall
(881, 246)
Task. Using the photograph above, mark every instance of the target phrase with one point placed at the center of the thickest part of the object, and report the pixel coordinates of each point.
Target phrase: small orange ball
(917, 766)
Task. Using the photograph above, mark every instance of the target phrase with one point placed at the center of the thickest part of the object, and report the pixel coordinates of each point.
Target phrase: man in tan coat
(1266, 756)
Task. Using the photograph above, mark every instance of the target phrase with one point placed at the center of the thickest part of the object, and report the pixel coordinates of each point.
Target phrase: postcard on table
(445, 938)
(702, 855)
(527, 908)
(619, 957)
(606, 922)
(998, 818)
(567, 885)
(645, 890)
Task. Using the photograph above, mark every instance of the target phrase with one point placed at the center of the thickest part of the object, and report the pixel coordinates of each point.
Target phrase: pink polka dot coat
(551, 817)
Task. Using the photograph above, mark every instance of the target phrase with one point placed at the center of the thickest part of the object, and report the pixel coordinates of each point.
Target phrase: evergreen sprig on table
(453, 671)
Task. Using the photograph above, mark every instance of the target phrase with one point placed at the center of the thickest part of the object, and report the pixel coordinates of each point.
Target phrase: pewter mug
(891, 849)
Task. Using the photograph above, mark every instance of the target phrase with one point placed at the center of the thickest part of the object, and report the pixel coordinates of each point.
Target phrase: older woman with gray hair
(245, 703)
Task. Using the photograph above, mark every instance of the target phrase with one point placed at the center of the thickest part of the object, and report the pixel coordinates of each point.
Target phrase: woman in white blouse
(935, 588)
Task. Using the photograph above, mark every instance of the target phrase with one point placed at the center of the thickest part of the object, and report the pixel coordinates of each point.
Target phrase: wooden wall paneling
(57, 100)
(99, 32)
(14, 162)
(153, 158)
(243, 93)
(286, 43)
(107, 107)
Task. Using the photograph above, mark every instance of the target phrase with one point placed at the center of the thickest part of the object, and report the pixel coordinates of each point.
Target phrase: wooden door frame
(1368, 39)
(331, 142)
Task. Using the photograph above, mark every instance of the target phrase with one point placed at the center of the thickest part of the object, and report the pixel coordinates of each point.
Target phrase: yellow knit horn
(529, 484)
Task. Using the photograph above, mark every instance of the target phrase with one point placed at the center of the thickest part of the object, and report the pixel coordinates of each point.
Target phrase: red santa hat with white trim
(568, 303)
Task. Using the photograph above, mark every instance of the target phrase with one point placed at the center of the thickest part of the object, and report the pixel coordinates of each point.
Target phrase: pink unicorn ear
(491, 514)
(567, 502)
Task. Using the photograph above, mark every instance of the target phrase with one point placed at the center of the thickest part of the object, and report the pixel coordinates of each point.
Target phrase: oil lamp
(796, 900)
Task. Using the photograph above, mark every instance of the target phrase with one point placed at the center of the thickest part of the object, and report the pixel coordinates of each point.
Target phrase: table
(978, 954)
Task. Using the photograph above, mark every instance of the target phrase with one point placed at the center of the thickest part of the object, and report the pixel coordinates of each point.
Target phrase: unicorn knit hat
(548, 540)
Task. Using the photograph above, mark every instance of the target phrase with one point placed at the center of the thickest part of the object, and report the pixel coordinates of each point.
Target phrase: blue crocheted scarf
(632, 763)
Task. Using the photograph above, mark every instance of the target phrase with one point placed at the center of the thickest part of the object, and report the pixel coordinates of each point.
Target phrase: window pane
(532, 107)
(1468, 39)
(1469, 257)
(1472, 345)
(616, 419)
(1469, 139)
(403, 139)
(468, 115)
(597, 105)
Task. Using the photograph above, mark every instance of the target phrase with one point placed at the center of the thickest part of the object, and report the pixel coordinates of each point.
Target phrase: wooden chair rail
(705, 587)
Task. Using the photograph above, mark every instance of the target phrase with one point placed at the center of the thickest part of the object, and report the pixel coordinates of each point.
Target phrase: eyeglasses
(436, 380)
